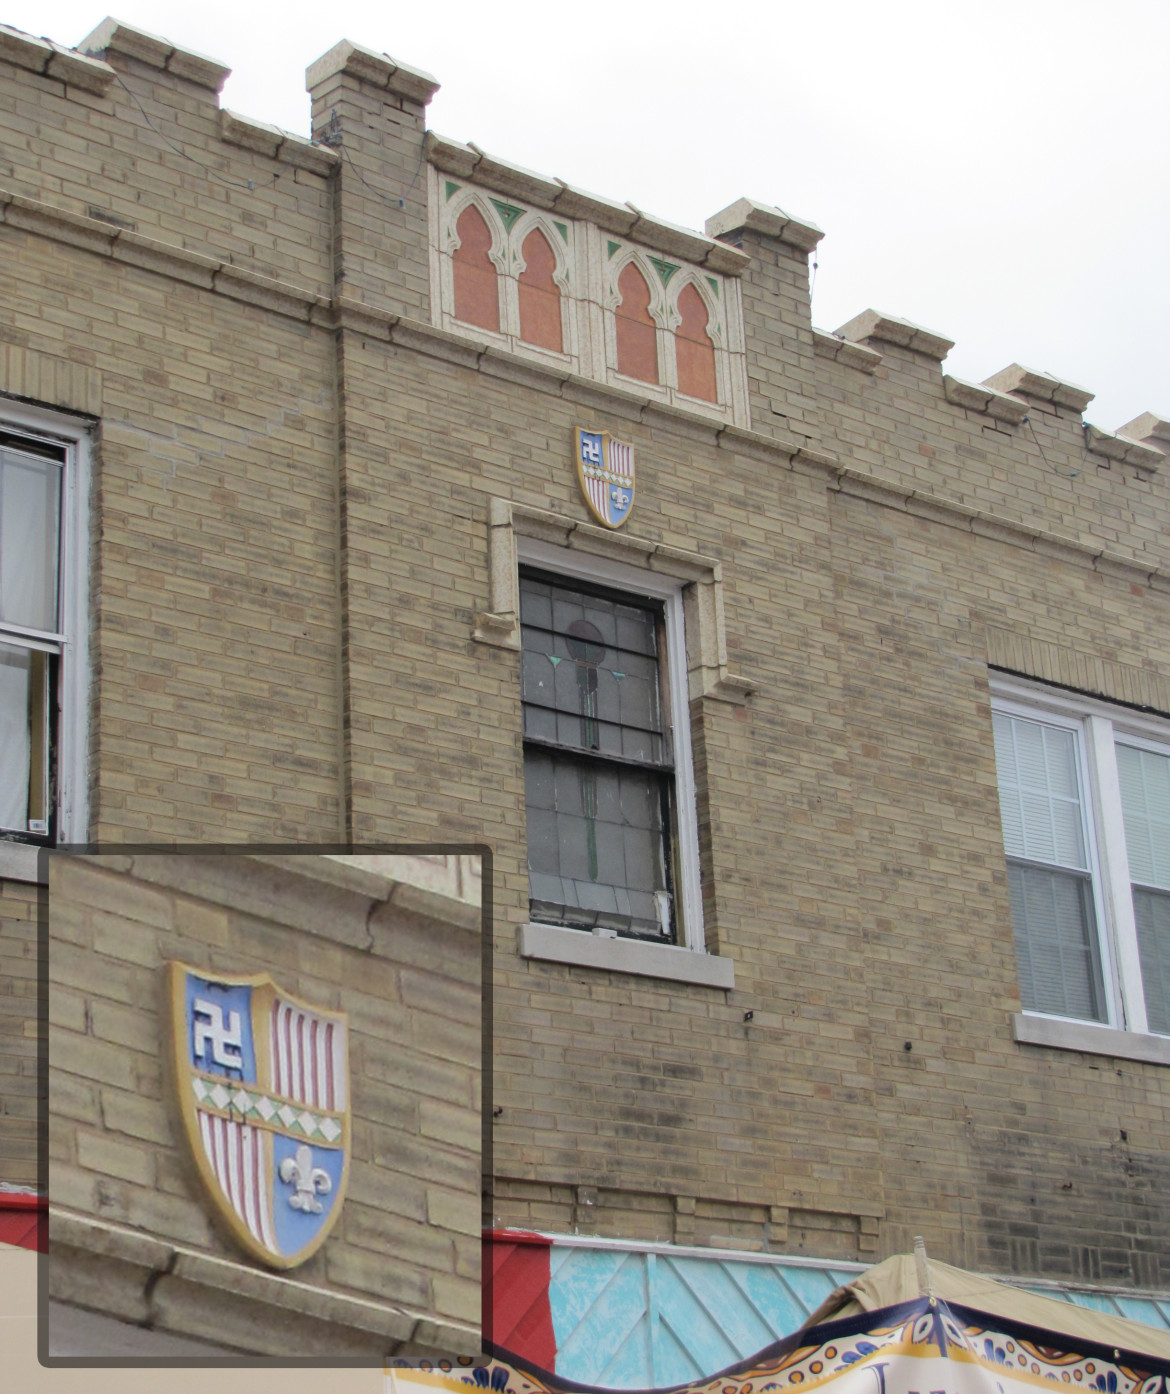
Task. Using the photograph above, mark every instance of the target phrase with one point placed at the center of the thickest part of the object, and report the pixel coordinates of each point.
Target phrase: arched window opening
(477, 295)
(637, 340)
(693, 347)
(540, 296)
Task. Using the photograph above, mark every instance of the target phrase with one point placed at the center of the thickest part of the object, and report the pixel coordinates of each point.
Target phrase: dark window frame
(660, 772)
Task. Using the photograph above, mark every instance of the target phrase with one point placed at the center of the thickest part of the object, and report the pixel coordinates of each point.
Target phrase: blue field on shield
(296, 1228)
(219, 1028)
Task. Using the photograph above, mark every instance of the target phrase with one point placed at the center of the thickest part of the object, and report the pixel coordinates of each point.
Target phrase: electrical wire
(1072, 474)
(373, 188)
(253, 184)
(249, 184)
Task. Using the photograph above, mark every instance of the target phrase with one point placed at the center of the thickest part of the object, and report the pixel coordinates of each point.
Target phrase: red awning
(24, 1220)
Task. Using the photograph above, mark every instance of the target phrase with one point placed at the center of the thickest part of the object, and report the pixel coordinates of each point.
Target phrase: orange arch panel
(540, 296)
(477, 293)
(637, 339)
(693, 347)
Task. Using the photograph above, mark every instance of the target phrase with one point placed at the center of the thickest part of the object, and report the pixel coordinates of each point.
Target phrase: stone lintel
(979, 397)
(1027, 382)
(843, 351)
(377, 69)
(746, 213)
(888, 329)
(1119, 447)
(112, 36)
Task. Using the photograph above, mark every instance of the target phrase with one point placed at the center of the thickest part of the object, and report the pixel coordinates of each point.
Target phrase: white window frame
(17, 856)
(1099, 726)
(688, 960)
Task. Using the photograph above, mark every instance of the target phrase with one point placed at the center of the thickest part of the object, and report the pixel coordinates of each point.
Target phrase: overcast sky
(998, 172)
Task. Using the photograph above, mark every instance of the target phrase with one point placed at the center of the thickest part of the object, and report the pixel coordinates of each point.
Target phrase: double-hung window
(1144, 777)
(1084, 791)
(599, 761)
(41, 631)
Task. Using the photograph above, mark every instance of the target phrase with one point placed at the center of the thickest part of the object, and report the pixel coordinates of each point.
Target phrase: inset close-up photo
(264, 1105)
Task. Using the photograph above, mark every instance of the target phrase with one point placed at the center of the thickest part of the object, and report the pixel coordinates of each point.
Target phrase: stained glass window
(597, 759)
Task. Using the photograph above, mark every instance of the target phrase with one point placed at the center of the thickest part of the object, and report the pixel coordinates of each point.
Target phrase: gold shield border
(182, 1070)
(578, 431)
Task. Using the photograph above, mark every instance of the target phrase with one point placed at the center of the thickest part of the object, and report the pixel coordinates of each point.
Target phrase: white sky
(998, 172)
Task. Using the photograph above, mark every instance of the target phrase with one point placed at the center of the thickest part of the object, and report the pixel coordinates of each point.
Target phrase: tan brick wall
(18, 1033)
(405, 966)
(293, 550)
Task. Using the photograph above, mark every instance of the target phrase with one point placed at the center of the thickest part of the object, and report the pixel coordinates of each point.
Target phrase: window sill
(1092, 1039)
(18, 861)
(586, 950)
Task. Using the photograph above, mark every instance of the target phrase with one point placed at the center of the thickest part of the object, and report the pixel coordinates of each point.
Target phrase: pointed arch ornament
(589, 260)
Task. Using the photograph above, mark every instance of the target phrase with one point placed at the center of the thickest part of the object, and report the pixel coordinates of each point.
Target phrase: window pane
(594, 661)
(1152, 912)
(30, 507)
(24, 734)
(1144, 776)
(1056, 943)
(596, 845)
(1039, 792)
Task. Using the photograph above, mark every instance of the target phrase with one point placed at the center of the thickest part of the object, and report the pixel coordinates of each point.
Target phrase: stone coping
(55, 60)
(298, 151)
(1122, 447)
(1043, 386)
(169, 1287)
(872, 324)
(745, 214)
(979, 397)
(112, 36)
(468, 161)
(1147, 427)
(845, 351)
(376, 70)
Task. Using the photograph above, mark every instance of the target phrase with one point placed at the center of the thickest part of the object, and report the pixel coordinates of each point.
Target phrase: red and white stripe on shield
(241, 1157)
(308, 1057)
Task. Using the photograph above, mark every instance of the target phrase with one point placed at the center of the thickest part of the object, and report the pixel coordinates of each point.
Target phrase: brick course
(294, 484)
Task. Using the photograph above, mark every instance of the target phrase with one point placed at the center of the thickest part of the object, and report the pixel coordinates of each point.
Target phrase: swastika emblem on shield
(605, 469)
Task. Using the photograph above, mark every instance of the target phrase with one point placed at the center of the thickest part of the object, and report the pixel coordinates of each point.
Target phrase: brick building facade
(315, 407)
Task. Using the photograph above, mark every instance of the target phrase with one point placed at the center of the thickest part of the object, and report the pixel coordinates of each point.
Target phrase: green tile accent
(563, 230)
(713, 283)
(452, 188)
(614, 248)
(509, 212)
(665, 269)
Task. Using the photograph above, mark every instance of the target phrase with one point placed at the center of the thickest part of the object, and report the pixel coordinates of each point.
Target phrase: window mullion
(1115, 880)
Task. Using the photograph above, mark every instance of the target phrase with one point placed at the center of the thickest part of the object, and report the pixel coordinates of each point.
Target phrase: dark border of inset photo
(458, 1363)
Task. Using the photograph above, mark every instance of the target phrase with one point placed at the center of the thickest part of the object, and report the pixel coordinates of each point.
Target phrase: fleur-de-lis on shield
(310, 1181)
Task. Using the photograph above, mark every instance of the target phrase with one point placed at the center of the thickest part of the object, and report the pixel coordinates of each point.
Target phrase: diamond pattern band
(250, 1105)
